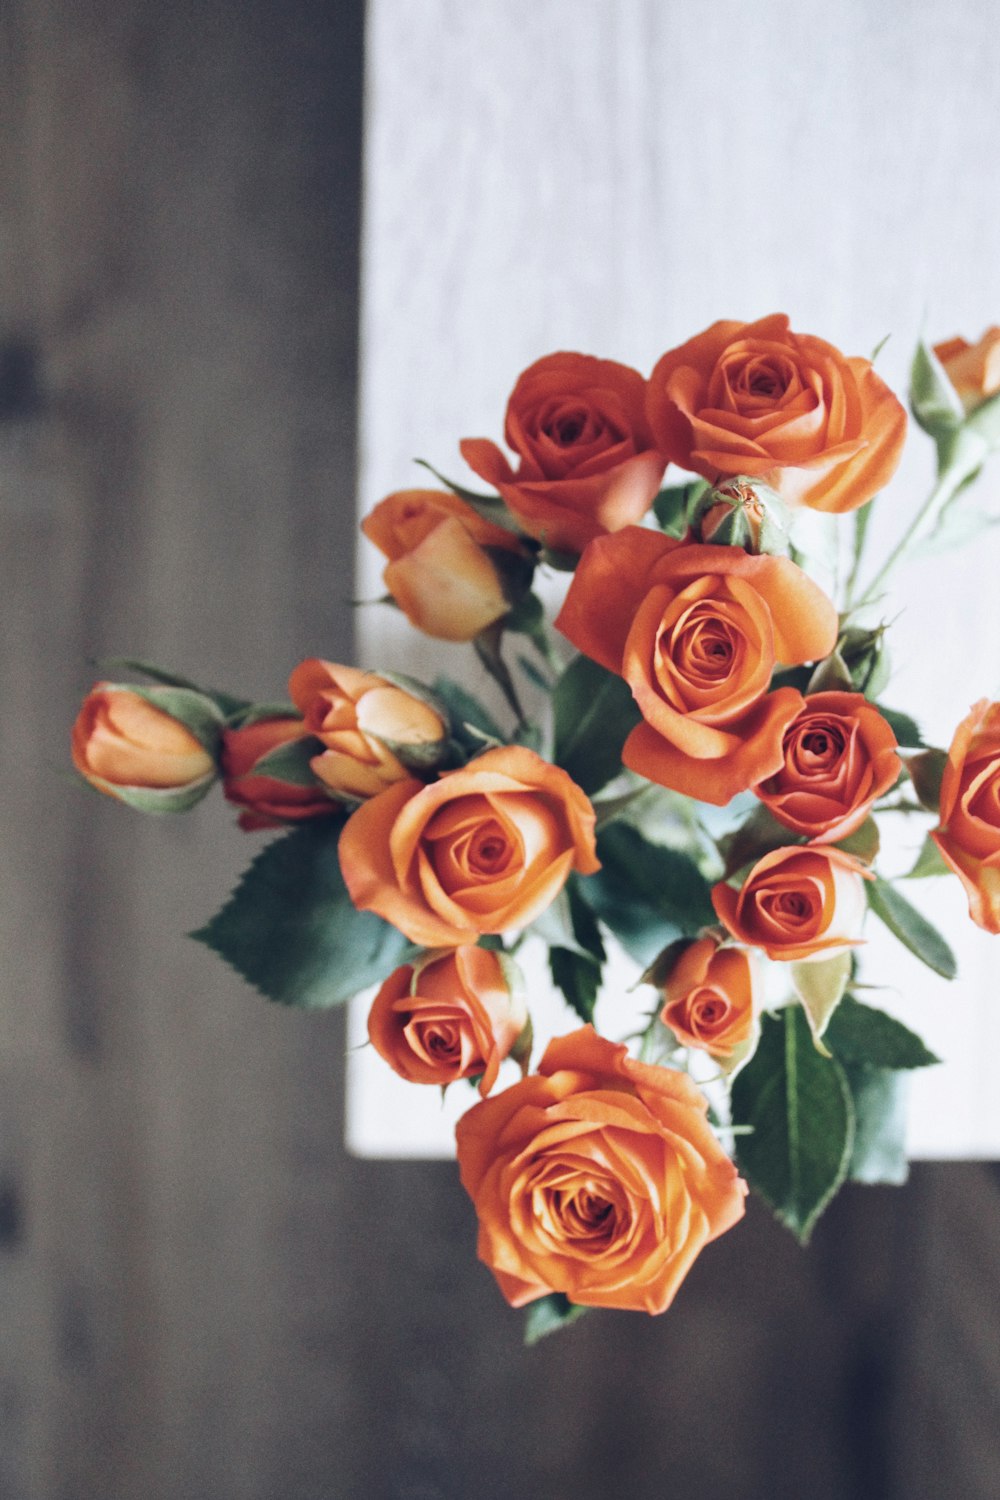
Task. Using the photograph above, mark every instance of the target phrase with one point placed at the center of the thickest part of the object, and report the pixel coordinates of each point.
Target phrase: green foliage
(646, 894)
(926, 772)
(798, 1107)
(473, 727)
(290, 762)
(549, 1314)
(930, 861)
(911, 927)
(291, 930)
(490, 507)
(905, 729)
(759, 835)
(933, 399)
(594, 713)
(863, 843)
(674, 506)
(576, 951)
(861, 1035)
(820, 984)
(879, 1100)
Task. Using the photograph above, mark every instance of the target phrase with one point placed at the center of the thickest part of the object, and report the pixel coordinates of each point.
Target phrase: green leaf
(863, 843)
(259, 713)
(798, 1106)
(933, 399)
(860, 1035)
(759, 835)
(911, 927)
(290, 762)
(820, 985)
(674, 504)
(926, 772)
(549, 1314)
(646, 894)
(903, 727)
(578, 976)
(148, 669)
(173, 799)
(831, 675)
(930, 861)
(879, 1097)
(291, 930)
(490, 507)
(464, 711)
(594, 713)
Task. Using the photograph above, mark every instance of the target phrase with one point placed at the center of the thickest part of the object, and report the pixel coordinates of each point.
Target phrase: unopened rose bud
(973, 369)
(149, 747)
(741, 513)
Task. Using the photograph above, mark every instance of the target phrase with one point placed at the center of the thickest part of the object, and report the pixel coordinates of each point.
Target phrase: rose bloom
(267, 801)
(438, 572)
(598, 1177)
(969, 832)
(797, 903)
(452, 1016)
(587, 461)
(120, 739)
(696, 632)
(363, 720)
(788, 408)
(483, 849)
(973, 369)
(711, 997)
(839, 757)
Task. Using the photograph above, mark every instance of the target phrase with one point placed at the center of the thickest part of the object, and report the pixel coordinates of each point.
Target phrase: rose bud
(452, 1015)
(134, 744)
(696, 631)
(969, 832)
(267, 799)
(586, 459)
(740, 513)
(797, 903)
(451, 572)
(599, 1178)
(758, 400)
(973, 369)
(486, 848)
(839, 757)
(374, 731)
(711, 997)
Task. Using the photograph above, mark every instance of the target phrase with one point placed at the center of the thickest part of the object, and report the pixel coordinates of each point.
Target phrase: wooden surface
(201, 1296)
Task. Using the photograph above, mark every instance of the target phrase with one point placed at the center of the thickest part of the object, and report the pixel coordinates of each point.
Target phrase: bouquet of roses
(689, 767)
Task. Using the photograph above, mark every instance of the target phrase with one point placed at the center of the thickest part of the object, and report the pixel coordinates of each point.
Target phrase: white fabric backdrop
(612, 176)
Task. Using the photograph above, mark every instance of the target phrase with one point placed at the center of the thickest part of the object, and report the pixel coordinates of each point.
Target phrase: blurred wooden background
(201, 1296)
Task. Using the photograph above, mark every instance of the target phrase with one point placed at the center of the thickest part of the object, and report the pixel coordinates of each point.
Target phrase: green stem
(947, 485)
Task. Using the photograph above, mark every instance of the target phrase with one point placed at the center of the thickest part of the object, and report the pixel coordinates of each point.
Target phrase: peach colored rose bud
(741, 513)
(969, 832)
(450, 1016)
(973, 369)
(451, 572)
(267, 800)
(797, 903)
(711, 997)
(598, 1177)
(132, 744)
(375, 733)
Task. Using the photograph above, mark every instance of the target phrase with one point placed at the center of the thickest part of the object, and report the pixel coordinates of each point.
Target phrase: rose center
(709, 1008)
(489, 852)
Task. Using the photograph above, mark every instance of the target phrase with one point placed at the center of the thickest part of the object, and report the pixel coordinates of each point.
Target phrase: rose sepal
(158, 799)
(197, 711)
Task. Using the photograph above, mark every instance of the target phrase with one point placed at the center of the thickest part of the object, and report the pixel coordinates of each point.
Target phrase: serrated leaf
(879, 1152)
(291, 929)
(646, 894)
(926, 772)
(594, 713)
(548, 1315)
(911, 927)
(290, 762)
(929, 861)
(860, 1035)
(820, 985)
(905, 729)
(798, 1106)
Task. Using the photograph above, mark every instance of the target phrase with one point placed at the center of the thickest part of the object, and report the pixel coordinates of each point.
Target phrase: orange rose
(587, 460)
(267, 801)
(483, 849)
(131, 749)
(969, 832)
(696, 632)
(452, 1016)
(758, 399)
(711, 997)
(439, 574)
(797, 903)
(598, 1178)
(973, 369)
(840, 755)
(370, 727)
